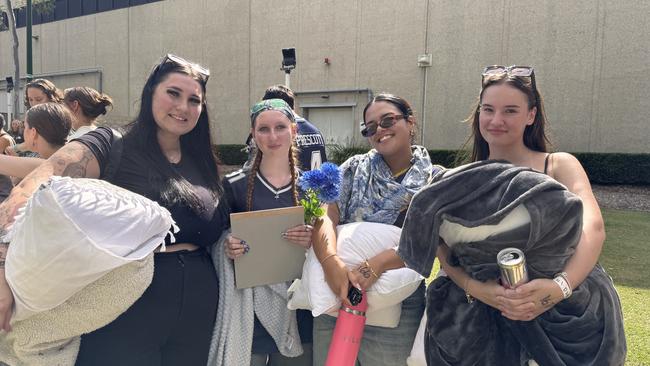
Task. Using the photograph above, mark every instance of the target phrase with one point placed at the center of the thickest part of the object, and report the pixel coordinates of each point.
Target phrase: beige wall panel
(463, 37)
(6, 53)
(227, 51)
(591, 58)
(562, 52)
(620, 117)
(6, 59)
(112, 56)
(391, 36)
(327, 29)
(182, 26)
(273, 26)
(146, 45)
(50, 47)
(79, 43)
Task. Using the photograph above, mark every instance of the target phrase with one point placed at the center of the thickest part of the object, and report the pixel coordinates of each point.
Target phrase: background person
(86, 104)
(47, 126)
(310, 141)
(6, 140)
(376, 187)
(37, 92)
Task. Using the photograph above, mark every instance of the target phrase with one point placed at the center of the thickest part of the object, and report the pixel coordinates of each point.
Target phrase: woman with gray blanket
(375, 187)
(569, 313)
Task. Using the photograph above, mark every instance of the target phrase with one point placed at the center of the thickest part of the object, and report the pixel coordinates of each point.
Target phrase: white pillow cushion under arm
(355, 243)
(73, 231)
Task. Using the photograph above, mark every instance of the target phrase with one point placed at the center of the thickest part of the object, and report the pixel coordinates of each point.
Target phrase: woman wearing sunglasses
(376, 187)
(166, 156)
(585, 326)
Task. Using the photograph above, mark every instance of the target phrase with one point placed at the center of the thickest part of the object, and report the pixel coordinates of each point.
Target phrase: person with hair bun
(86, 104)
(270, 182)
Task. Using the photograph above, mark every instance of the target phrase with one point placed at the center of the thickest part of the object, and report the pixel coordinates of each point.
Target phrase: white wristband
(564, 285)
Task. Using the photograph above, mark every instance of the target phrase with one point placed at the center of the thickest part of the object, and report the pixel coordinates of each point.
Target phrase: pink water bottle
(346, 338)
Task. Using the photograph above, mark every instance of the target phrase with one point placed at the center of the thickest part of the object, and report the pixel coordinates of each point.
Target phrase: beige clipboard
(271, 258)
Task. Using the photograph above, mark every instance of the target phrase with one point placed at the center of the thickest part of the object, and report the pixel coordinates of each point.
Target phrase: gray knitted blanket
(585, 329)
(232, 338)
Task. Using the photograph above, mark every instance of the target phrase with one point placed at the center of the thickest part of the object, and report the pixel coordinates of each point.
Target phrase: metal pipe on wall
(425, 77)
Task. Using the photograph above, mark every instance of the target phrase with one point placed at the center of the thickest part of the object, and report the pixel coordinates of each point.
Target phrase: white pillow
(355, 243)
(72, 232)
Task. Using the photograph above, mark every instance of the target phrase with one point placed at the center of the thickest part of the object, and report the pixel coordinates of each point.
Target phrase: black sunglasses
(204, 73)
(370, 129)
(514, 70)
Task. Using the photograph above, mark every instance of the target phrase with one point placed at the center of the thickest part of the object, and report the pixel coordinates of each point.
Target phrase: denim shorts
(379, 346)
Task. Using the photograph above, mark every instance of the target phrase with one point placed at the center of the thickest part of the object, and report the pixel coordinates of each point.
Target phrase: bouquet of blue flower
(320, 186)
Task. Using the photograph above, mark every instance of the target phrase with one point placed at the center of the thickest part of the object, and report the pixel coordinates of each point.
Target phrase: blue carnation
(313, 179)
(329, 193)
(325, 182)
(332, 172)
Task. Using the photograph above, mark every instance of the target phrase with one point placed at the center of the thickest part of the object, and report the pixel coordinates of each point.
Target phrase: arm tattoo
(73, 165)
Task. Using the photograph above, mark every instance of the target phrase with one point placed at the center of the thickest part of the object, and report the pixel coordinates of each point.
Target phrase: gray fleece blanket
(585, 329)
(232, 337)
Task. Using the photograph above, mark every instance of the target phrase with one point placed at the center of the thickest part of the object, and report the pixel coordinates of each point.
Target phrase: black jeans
(171, 324)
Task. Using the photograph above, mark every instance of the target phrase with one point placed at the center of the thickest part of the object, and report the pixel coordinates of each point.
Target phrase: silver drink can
(512, 263)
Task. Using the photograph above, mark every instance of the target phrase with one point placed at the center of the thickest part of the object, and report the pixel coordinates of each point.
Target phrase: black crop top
(201, 229)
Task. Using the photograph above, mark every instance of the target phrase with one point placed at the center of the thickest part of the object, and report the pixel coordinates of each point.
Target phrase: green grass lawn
(626, 257)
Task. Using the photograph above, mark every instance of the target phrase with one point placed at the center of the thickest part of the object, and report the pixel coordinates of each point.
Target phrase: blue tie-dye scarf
(370, 193)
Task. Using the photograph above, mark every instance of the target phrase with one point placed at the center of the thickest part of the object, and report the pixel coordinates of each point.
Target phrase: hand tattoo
(546, 301)
(365, 271)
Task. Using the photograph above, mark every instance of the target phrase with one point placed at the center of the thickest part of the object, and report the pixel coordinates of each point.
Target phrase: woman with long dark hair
(376, 187)
(166, 156)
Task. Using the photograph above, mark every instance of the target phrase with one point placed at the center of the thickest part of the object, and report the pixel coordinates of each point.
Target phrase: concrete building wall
(591, 60)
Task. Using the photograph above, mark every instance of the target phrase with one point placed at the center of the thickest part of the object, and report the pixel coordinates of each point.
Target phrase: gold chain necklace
(401, 172)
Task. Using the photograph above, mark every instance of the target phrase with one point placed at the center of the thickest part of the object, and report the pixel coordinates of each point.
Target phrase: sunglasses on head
(514, 70)
(370, 129)
(204, 73)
